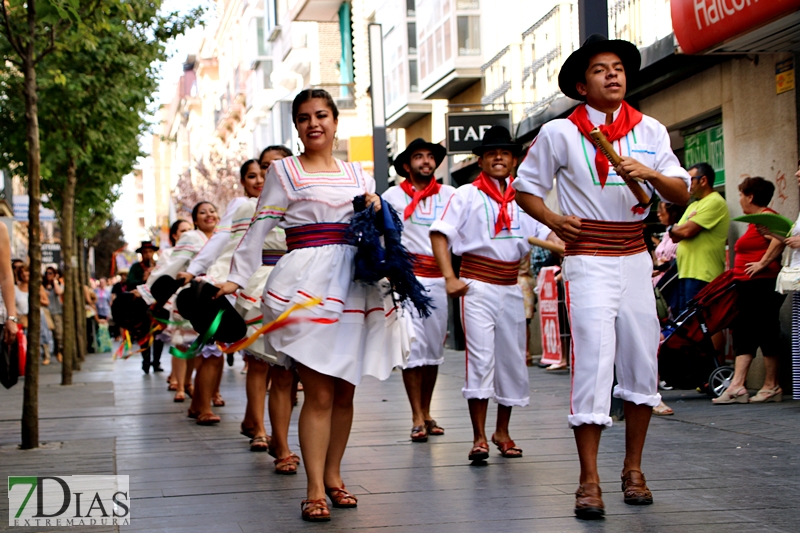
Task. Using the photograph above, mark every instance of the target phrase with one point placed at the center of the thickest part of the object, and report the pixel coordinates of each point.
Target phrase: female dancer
(205, 218)
(311, 197)
(178, 228)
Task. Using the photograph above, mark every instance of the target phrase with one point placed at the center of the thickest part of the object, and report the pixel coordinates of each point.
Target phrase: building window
(468, 4)
(412, 38)
(410, 8)
(140, 198)
(469, 35)
(141, 222)
(266, 71)
(413, 78)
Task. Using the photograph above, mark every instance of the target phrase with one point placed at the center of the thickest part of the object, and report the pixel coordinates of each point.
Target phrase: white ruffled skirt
(371, 335)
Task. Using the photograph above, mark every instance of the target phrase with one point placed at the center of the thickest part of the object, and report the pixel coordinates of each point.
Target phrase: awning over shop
(736, 26)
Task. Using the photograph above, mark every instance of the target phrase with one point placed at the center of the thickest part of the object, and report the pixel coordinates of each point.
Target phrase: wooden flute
(608, 150)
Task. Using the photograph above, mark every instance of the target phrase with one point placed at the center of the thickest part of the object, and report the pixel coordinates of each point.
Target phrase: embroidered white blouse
(416, 229)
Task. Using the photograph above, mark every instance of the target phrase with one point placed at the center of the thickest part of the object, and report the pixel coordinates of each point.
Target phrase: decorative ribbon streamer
(282, 321)
(200, 341)
(123, 346)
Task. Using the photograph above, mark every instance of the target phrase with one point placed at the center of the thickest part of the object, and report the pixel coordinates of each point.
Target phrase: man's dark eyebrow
(604, 64)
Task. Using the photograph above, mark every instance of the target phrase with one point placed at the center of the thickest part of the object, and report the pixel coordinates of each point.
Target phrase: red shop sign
(700, 24)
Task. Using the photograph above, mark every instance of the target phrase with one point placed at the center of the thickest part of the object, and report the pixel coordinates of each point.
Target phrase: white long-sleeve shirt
(213, 248)
(468, 222)
(294, 197)
(561, 152)
(416, 235)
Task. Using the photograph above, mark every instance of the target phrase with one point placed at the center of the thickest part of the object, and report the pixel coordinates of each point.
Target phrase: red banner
(701, 24)
(548, 316)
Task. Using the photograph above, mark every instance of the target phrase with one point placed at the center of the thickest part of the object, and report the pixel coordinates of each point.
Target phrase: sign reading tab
(465, 130)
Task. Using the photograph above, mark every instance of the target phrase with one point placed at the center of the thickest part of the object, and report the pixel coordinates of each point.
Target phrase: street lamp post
(380, 155)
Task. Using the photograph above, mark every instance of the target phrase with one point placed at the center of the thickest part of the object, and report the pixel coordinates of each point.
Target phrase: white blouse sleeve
(272, 203)
(213, 248)
(185, 249)
(538, 170)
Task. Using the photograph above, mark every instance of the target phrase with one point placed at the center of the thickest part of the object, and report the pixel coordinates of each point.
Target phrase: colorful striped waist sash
(270, 257)
(489, 270)
(312, 235)
(608, 239)
(425, 266)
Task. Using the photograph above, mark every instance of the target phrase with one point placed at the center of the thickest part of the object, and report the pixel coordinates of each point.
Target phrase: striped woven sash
(425, 266)
(270, 257)
(608, 239)
(312, 235)
(489, 270)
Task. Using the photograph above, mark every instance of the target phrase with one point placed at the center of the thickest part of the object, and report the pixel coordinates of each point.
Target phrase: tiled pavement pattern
(712, 468)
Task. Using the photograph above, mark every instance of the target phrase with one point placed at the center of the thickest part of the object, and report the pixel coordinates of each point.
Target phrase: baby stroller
(687, 358)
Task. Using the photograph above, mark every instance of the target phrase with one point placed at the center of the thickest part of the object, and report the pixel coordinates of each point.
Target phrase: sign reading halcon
(701, 24)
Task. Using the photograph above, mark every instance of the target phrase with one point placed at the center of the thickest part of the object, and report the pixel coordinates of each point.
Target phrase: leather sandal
(663, 409)
(192, 414)
(259, 444)
(246, 431)
(286, 466)
(218, 401)
(419, 434)
(634, 489)
(315, 506)
(208, 419)
(589, 502)
(172, 387)
(768, 395)
(180, 397)
(339, 497)
(730, 396)
(508, 449)
(479, 452)
(433, 428)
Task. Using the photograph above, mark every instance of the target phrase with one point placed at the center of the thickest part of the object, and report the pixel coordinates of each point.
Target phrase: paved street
(719, 468)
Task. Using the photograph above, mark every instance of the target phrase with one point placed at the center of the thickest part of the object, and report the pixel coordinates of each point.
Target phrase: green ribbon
(180, 324)
(199, 342)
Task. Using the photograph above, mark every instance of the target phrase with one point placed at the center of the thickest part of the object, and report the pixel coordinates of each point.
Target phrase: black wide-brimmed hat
(574, 69)
(497, 138)
(196, 304)
(130, 313)
(438, 151)
(147, 245)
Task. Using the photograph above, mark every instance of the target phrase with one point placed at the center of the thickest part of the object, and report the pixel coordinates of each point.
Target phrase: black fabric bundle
(374, 262)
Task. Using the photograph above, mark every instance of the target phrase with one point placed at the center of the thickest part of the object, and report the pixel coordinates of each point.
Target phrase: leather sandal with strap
(320, 507)
(433, 428)
(286, 466)
(419, 434)
(208, 419)
(634, 489)
(180, 397)
(589, 502)
(339, 497)
(259, 444)
(246, 431)
(508, 449)
(479, 452)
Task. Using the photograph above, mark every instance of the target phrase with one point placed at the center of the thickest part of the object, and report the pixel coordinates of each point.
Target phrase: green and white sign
(707, 146)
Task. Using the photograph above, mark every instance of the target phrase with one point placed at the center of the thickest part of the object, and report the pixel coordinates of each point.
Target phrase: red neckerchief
(431, 189)
(628, 118)
(484, 183)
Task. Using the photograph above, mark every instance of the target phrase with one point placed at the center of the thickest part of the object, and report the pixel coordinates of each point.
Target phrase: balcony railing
(539, 63)
(497, 93)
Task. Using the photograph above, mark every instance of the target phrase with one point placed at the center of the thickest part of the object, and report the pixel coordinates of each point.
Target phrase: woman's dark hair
(196, 209)
(310, 94)
(275, 148)
(674, 211)
(760, 189)
(245, 166)
(173, 229)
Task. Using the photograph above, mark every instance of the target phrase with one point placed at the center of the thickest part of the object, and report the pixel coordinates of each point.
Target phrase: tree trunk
(70, 260)
(84, 282)
(30, 402)
(80, 306)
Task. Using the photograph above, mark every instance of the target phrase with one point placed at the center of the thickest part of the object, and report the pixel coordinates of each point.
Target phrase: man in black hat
(483, 224)
(607, 267)
(138, 275)
(421, 199)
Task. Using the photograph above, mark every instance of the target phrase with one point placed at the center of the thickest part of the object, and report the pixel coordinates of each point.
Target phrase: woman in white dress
(310, 196)
(178, 228)
(205, 218)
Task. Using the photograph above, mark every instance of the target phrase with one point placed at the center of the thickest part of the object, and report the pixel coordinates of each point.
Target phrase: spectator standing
(756, 267)
(54, 288)
(701, 235)
(118, 288)
(140, 271)
(8, 304)
(103, 292)
(793, 242)
(21, 300)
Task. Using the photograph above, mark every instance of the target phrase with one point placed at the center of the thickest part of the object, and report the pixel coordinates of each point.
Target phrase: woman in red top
(756, 268)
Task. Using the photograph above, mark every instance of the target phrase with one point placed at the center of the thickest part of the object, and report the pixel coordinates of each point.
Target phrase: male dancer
(421, 200)
(607, 267)
(138, 275)
(485, 226)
